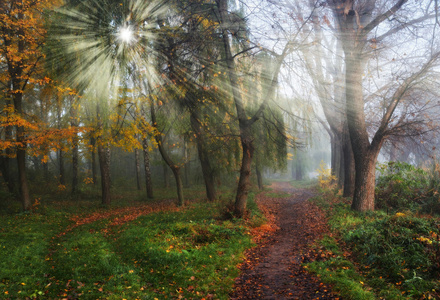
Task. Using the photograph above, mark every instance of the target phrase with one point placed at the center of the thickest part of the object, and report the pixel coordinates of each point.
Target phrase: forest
(163, 149)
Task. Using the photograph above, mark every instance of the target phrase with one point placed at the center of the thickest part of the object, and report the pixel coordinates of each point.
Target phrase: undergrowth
(192, 253)
(378, 255)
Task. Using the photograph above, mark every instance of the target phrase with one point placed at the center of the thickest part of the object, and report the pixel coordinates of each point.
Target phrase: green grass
(278, 195)
(304, 184)
(392, 256)
(192, 253)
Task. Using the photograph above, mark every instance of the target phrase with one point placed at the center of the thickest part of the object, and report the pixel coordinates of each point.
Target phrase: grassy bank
(378, 255)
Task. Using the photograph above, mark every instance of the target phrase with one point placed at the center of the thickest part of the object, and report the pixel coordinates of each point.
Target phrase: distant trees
(364, 61)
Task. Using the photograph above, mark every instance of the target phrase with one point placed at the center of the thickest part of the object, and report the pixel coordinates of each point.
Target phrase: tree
(245, 122)
(356, 23)
(22, 35)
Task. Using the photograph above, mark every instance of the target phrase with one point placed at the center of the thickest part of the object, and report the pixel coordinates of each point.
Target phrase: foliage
(325, 177)
(401, 186)
(396, 255)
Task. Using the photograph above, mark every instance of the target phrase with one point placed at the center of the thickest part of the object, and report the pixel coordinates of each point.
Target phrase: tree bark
(363, 198)
(21, 151)
(6, 167)
(93, 160)
(207, 170)
(75, 148)
(138, 169)
(246, 137)
(244, 123)
(174, 167)
(187, 163)
(148, 182)
(349, 168)
(61, 167)
(104, 166)
(245, 172)
(60, 151)
(353, 33)
(259, 177)
(75, 167)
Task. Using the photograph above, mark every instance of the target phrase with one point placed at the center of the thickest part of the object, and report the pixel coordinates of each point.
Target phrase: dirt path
(272, 270)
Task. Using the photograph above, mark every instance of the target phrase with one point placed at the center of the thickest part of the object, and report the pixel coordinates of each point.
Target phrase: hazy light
(101, 42)
(126, 34)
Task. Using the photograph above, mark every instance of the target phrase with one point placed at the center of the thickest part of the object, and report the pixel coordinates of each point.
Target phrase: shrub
(401, 186)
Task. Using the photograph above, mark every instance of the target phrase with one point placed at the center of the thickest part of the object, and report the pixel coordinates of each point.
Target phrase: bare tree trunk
(364, 155)
(104, 166)
(349, 168)
(244, 123)
(138, 169)
(207, 171)
(259, 177)
(363, 199)
(148, 182)
(60, 152)
(21, 153)
(75, 150)
(174, 167)
(61, 167)
(245, 172)
(75, 167)
(93, 160)
(187, 164)
(6, 168)
(245, 130)
(44, 118)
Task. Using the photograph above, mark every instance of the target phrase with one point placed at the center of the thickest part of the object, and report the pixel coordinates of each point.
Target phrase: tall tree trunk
(349, 168)
(174, 167)
(44, 117)
(60, 151)
(61, 167)
(364, 155)
(353, 34)
(138, 169)
(246, 137)
(259, 176)
(363, 198)
(244, 123)
(6, 167)
(207, 171)
(93, 159)
(187, 163)
(75, 149)
(75, 167)
(148, 182)
(245, 171)
(104, 166)
(21, 152)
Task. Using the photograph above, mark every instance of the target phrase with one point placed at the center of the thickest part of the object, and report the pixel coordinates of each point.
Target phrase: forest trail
(272, 269)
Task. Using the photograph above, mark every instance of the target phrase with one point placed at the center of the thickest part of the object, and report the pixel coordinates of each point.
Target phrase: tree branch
(379, 19)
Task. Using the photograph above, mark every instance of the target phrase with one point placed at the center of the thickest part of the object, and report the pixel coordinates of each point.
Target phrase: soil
(272, 269)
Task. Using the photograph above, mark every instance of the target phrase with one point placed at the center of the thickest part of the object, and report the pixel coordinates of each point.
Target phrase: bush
(401, 186)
